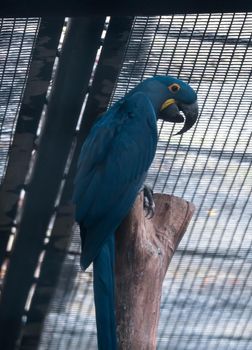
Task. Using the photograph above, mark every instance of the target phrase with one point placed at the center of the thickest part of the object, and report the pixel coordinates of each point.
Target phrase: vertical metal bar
(107, 71)
(71, 81)
(99, 96)
(33, 100)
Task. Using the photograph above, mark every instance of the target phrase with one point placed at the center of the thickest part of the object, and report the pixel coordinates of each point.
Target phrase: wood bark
(144, 249)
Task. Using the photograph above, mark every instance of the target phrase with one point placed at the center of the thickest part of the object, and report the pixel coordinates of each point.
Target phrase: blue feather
(112, 167)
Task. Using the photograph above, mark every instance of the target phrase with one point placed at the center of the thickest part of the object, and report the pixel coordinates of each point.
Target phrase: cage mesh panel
(17, 37)
(207, 293)
(70, 323)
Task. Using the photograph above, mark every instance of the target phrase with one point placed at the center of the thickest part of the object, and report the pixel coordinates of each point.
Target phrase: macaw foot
(149, 205)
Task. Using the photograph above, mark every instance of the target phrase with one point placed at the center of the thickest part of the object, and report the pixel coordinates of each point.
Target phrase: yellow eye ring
(174, 87)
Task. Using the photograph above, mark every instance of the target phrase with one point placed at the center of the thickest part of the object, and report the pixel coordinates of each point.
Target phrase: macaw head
(180, 98)
(170, 97)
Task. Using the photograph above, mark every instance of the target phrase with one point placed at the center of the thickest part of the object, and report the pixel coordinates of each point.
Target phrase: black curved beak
(191, 113)
(172, 114)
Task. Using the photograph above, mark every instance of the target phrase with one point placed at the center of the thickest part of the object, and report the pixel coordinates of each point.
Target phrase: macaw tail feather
(104, 295)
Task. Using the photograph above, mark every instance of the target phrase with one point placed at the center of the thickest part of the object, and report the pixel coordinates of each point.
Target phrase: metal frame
(66, 98)
(119, 8)
(34, 98)
(99, 97)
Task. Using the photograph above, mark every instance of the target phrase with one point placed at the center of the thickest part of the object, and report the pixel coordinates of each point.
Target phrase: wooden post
(144, 249)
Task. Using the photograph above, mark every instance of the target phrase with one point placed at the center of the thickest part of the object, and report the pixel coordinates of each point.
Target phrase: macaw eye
(174, 87)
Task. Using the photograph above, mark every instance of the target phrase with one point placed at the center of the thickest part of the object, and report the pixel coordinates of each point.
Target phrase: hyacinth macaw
(112, 168)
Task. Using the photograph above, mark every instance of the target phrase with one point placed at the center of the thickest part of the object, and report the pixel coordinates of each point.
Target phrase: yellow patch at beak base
(167, 103)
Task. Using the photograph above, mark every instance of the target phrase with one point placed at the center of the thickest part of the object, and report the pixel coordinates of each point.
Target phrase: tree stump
(144, 249)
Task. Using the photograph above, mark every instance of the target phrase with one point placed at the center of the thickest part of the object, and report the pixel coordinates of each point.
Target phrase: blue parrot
(112, 168)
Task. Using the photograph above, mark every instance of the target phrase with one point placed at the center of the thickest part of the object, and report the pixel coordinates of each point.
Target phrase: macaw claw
(149, 205)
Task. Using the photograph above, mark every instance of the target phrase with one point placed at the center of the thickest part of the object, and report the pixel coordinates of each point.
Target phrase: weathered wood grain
(144, 249)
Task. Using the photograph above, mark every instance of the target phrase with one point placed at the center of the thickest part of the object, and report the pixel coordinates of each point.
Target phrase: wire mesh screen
(207, 293)
(17, 38)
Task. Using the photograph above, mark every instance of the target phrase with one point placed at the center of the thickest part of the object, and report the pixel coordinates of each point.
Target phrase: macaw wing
(112, 167)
